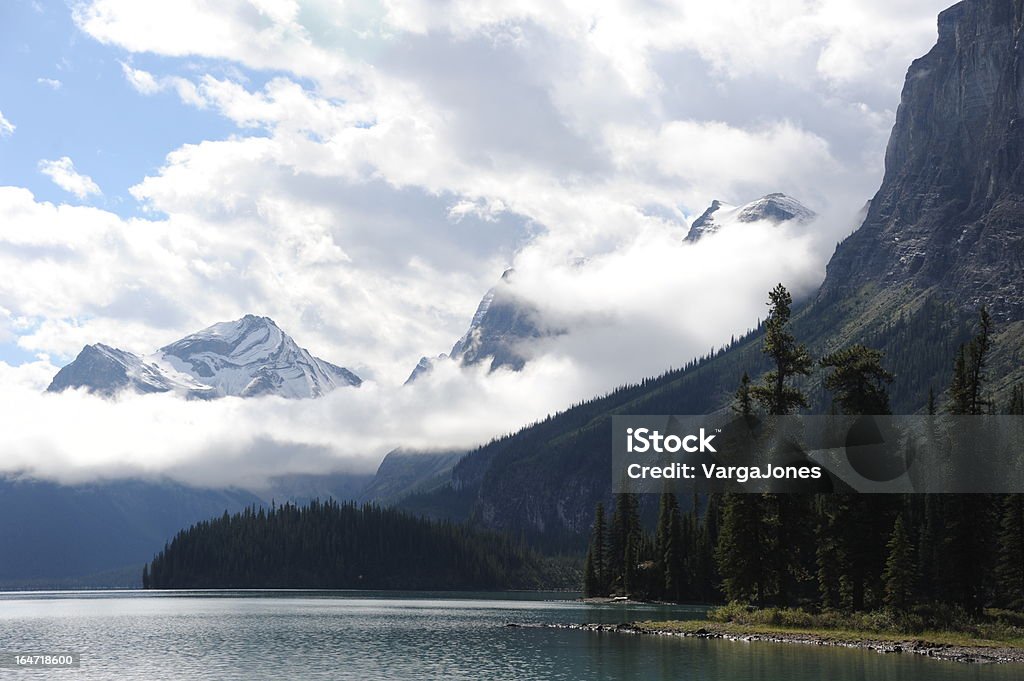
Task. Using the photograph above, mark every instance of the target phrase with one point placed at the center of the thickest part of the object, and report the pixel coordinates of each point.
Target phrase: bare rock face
(949, 215)
(501, 324)
(499, 334)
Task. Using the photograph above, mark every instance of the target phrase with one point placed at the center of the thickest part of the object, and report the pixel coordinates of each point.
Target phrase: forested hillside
(327, 545)
(847, 551)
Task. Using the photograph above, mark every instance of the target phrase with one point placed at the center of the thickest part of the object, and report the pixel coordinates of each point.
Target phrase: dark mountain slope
(55, 535)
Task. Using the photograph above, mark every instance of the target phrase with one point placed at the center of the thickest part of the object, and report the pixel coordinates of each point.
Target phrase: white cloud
(146, 83)
(51, 83)
(6, 127)
(392, 159)
(62, 172)
(264, 35)
(614, 333)
(714, 154)
(142, 81)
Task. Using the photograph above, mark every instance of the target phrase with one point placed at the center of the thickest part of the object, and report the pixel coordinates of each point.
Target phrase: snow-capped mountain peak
(247, 357)
(776, 208)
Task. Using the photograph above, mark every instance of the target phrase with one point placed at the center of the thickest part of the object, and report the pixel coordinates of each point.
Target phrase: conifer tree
(630, 559)
(1010, 566)
(599, 550)
(789, 358)
(742, 549)
(832, 555)
(623, 543)
(900, 569)
(858, 380)
(969, 520)
(589, 575)
(1016, 407)
(959, 389)
(785, 517)
(669, 548)
(966, 392)
(744, 402)
(978, 352)
(929, 547)
(853, 551)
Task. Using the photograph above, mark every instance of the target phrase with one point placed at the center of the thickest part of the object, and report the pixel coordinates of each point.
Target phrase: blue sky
(114, 135)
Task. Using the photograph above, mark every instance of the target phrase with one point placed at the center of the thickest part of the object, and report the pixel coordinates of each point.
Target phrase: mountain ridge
(501, 326)
(247, 357)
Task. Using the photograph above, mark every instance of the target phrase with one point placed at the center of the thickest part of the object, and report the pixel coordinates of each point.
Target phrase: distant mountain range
(505, 326)
(248, 357)
(252, 356)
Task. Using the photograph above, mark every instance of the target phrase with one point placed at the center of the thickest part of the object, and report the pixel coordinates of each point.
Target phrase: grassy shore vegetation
(892, 564)
(945, 625)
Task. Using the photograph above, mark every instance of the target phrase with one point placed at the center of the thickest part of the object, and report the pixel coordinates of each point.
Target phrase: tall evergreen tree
(789, 358)
(669, 551)
(853, 551)
(785, 517)
(959, 387)
(1016, 406)
(858, 380)
(743, 548)
(966, 391)
(623, 543)
(590, 576)
(978, 352)
(599, 549)
(929, 547)
(900, 569)
(969, 520)
(835, 564)
(743, 404)
(1010, 565)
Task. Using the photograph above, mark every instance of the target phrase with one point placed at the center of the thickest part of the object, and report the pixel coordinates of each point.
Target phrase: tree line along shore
(895, 564)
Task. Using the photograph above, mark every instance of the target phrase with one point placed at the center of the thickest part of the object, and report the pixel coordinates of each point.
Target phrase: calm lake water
(367, 635)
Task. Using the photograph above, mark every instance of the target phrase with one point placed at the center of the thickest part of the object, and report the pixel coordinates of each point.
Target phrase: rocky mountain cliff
(247, 357)
(949, 215)
(502, 326)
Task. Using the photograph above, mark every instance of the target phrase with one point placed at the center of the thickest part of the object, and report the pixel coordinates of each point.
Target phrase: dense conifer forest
(329, 545)
(840, 551)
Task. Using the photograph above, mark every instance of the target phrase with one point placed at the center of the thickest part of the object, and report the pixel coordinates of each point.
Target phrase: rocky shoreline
(939, 651)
